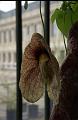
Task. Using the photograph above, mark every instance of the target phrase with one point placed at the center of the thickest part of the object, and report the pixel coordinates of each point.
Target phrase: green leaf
(54, 15)
(65, 20)
(60, 21)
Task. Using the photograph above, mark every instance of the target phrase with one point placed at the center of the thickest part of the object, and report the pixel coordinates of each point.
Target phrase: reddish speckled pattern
(68, 98)
(34, 73)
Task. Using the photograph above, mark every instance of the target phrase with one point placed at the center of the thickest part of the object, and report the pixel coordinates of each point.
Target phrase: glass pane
(7, 61)
(32, 23)
(56, 38)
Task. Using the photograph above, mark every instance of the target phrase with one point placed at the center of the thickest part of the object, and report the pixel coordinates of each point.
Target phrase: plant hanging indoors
(40, 68)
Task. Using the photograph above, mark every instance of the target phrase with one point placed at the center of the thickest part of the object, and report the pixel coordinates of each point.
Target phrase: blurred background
(31, 22)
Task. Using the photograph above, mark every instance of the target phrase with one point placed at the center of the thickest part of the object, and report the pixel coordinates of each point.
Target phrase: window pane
(14, 57)
(33, 24)
(3, 57)
(0, 37)
(9, 57)
(12, 35)
(0, 57)
(5, 36)
(7, 68)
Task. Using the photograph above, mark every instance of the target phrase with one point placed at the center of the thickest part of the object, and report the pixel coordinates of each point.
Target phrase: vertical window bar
(18, 58)
(46, 36)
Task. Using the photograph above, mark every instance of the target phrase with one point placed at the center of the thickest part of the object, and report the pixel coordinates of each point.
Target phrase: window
(3, 57)
(12, 34)
(9, 57)
(0, 56)
(33, 111)
(9, 21)
(0, 37)
(14, 56)
(7, 68)
(4, 36)
(25, 107)
(7, 35)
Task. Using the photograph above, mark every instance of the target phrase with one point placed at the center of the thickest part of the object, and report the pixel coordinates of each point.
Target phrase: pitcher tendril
(42, 18)
(65, 45)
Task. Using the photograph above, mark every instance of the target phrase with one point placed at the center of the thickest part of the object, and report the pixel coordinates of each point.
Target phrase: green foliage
(65, 16)
(54, 15)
